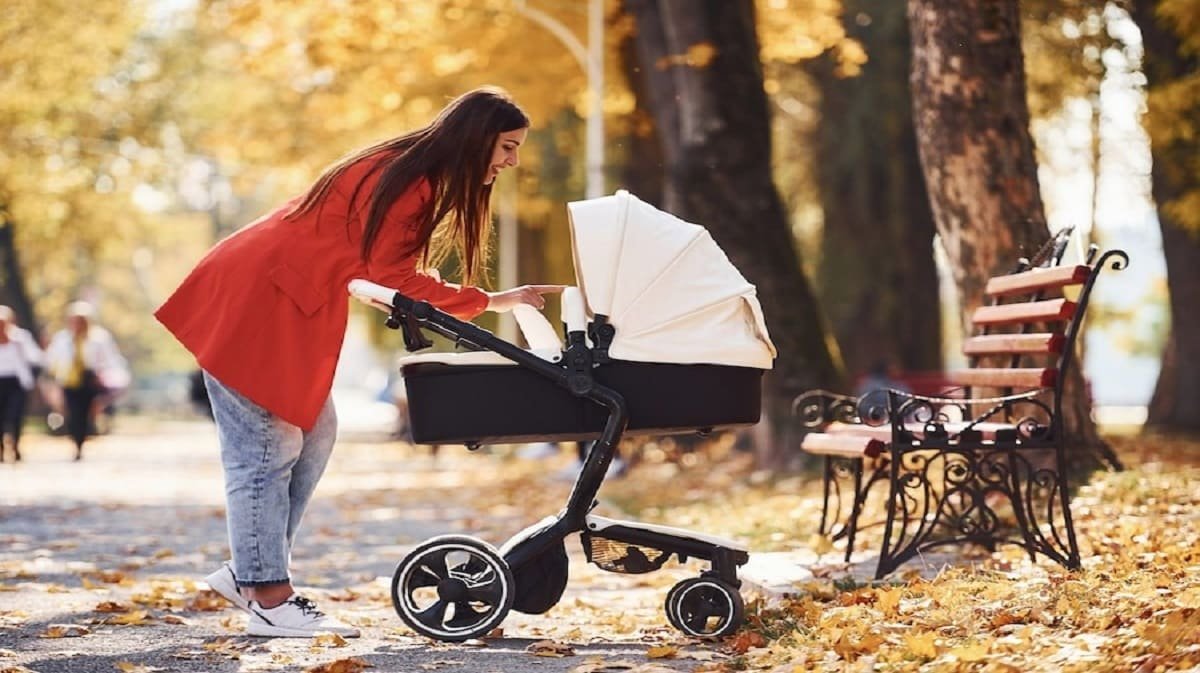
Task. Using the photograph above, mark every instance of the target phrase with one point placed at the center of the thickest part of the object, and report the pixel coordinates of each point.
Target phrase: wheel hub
(452, 589)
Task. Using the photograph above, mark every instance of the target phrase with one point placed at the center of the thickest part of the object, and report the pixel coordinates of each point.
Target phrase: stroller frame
(707, 606)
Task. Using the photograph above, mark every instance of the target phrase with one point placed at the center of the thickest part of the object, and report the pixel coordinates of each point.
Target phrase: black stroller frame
(529, 572)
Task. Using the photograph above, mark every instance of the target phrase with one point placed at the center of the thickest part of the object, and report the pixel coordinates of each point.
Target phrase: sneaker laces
(306, 606)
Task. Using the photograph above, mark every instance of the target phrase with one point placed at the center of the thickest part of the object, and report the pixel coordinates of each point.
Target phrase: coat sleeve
(390, 266)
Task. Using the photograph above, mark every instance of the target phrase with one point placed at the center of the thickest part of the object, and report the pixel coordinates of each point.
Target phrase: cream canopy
(665, 285)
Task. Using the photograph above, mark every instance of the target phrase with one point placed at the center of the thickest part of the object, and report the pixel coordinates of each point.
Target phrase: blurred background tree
(701, 60)
(1171, 50)
(878, 230)
(125, 155)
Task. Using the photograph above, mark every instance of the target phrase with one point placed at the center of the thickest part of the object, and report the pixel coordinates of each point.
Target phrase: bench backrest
(1025, 333)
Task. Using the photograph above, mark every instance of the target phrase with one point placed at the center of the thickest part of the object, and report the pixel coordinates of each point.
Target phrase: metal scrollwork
(820, 407)
(873, 408)
(949, 496)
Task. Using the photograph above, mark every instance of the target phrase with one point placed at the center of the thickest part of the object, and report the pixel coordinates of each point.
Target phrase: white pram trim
(597, 524)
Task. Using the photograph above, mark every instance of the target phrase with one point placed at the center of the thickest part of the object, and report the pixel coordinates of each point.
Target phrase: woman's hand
(501, 302)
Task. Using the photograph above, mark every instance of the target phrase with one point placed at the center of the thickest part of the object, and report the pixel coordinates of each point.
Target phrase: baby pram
(663, 336)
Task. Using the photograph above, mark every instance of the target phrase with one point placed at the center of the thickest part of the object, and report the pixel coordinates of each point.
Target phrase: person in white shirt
(20, 359)
(86, 364)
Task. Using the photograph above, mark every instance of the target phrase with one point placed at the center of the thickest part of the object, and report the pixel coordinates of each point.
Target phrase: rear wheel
(453, 588)
(703, 607)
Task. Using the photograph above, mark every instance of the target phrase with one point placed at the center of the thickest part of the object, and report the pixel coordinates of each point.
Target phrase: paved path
(135, 525)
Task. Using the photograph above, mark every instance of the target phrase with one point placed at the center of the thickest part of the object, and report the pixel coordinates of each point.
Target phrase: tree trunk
(972, 122)
(877, 280)
(639, 149)
(12, 280)
(707, 94)
(1177, 394)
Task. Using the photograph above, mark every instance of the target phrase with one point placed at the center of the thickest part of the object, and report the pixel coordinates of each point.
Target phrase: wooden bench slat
(1006, 378)
(1037, 279)
(998, 344)
(848, 446)
(1050, 310)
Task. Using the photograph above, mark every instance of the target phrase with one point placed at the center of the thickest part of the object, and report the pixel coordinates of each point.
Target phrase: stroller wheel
(703, 607)
(453, 588)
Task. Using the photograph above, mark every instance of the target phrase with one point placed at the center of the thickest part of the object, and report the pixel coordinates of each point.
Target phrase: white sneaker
(297, 617)
(224, 582)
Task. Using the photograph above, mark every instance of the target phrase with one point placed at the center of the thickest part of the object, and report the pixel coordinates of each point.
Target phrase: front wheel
(702, 607)
(453, 588)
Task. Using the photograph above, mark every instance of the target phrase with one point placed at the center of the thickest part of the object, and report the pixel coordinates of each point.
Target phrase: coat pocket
(298, 288)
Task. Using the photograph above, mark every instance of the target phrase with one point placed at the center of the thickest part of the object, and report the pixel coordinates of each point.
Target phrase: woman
(20, 358)
(87, 366)
(265, 314)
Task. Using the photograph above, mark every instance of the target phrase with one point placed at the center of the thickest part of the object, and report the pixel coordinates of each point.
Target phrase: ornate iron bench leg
(894, 550)
(1053, 482)
(1072, 560)
(829, 486)
(855, 509)
(1023, 506)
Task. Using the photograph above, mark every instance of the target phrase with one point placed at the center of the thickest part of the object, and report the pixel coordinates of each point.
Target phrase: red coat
(265, 311)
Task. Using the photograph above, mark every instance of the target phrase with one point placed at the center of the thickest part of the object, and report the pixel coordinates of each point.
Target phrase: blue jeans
(271, 470)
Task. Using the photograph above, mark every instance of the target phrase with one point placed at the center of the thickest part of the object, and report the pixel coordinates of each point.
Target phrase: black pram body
(486, 404)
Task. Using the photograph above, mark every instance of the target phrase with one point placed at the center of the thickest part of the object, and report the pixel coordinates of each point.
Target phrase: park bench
(961, 464)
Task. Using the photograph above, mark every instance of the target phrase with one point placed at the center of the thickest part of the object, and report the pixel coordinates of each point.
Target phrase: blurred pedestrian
(265, 315)
(88, 367)
(20, 362)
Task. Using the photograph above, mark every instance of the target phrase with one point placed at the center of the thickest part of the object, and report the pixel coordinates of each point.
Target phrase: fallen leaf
(112, 606)
(327, 640)
(971, 652)
(226, 647)
(549, 648)
(662, 652)
(888, 601)
(65, 631)
(746, 640)
(352, 665)
(208, 601)
(130, 667)
(131, 618)
(108, 577)
(923, 645)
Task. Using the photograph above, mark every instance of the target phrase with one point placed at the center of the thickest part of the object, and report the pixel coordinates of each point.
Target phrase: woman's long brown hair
(453, 153)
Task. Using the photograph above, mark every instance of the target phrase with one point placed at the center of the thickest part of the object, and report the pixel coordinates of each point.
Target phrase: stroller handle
(372, 293)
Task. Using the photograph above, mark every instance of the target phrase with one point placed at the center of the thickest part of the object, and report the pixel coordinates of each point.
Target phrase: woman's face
(504, 153)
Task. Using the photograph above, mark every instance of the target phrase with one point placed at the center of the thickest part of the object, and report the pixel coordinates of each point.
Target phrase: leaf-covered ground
(100, 564)
(1135, 605)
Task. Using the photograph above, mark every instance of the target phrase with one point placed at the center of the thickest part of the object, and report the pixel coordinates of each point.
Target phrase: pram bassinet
(678, 331)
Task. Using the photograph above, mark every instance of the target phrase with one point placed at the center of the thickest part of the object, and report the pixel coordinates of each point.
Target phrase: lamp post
(591, 60)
